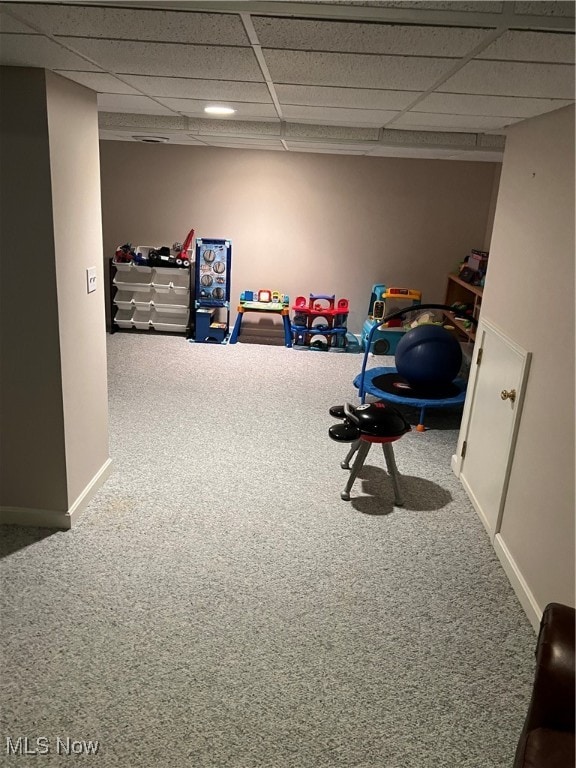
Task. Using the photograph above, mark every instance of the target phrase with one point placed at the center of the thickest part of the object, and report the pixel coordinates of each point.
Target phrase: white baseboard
(519, 584)
(523, 592)
(455, 464)
(50, 518)
(477, 508)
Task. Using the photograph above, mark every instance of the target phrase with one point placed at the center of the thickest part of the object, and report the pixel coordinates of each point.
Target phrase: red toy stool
(362, 426)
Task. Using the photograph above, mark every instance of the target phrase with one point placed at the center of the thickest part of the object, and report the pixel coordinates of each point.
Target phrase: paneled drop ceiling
(404, 79)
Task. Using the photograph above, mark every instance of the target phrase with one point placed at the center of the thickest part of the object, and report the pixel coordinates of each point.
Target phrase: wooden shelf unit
(463, 293)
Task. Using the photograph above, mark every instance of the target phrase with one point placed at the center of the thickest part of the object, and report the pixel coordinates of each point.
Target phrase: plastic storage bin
(124, 299)
(141, 319)
(181, 282)
(168, 322)
(123, 318)
(134, 279)
(162, 279)
(122, 266)
(171, 303)
(142, 300)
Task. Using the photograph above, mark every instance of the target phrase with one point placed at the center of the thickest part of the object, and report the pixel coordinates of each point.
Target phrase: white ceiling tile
(112, 136)
(328, 132)
(244, 111)
(240, 128)
(431, 139)
(231, 144)
(477, 6)
(264, 140)
(180, 138)
(503, 106)
(187, 88)
(352, 98)
(425, 121)
(383, 150)
(113, 102)
(175, 138)
(346, 37)
(245, 142)
(9, 24)
(143, 123)
(545, 8)
(138, 58)
(492, 141)
(482, 157)
(337, 116)
(499, 78)
(134, 24)
(101, 82)
(326, 149)
(532, 46)
(338, 81)
(39, 51)
(354, 70)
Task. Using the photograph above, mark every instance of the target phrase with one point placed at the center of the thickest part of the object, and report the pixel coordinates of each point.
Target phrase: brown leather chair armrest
(547, 739)
(552, 704)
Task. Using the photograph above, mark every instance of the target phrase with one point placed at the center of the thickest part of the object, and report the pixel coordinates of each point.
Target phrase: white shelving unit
(151, 297)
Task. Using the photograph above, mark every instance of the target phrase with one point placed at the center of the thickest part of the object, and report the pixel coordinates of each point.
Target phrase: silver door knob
(508, 395)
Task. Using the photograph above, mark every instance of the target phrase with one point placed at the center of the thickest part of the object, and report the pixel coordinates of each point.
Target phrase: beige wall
(54, 390)
(530, 296)
(302, 223)
(75, 173)
(32, 465)
(492, 208)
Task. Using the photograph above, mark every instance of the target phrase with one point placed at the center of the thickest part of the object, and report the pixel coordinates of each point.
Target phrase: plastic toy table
(273, 307)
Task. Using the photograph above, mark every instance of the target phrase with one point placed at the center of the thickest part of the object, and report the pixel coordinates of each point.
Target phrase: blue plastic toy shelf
(212, 290)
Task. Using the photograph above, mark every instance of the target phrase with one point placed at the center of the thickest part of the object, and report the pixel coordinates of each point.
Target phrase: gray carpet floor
(219, 606)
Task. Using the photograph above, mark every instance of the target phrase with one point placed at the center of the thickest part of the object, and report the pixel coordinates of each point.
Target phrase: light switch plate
(91, 279)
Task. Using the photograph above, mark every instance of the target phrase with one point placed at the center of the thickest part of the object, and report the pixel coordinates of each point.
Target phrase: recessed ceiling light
(152, 139)
(219, 110)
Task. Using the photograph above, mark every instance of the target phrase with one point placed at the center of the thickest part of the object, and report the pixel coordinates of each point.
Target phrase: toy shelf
(458, 291)
(149, 298)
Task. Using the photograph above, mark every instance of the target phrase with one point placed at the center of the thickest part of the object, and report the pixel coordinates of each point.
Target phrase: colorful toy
(385, 340)
(320, 316)
(263, 300)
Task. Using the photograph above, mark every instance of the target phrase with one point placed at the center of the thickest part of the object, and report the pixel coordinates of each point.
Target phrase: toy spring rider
(387, 335)
(428, 359)
(263, 301)
(212, 298)
(363, 426)
(317, 317)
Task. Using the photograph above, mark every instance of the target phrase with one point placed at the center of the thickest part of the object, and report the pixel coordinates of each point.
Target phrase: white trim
(457, 460)
(455, 463)
(477, 508)
(519, 584)
(50, 518)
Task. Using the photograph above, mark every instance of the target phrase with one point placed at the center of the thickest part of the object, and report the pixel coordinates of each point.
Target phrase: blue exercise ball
(428, 356)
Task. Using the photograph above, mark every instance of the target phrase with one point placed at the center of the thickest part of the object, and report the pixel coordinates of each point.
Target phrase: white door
(490, 421)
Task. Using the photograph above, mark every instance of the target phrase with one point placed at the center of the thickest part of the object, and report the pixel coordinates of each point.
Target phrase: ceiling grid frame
(325, 117)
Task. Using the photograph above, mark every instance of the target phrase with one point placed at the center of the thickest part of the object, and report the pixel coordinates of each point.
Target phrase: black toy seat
(363, 425)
